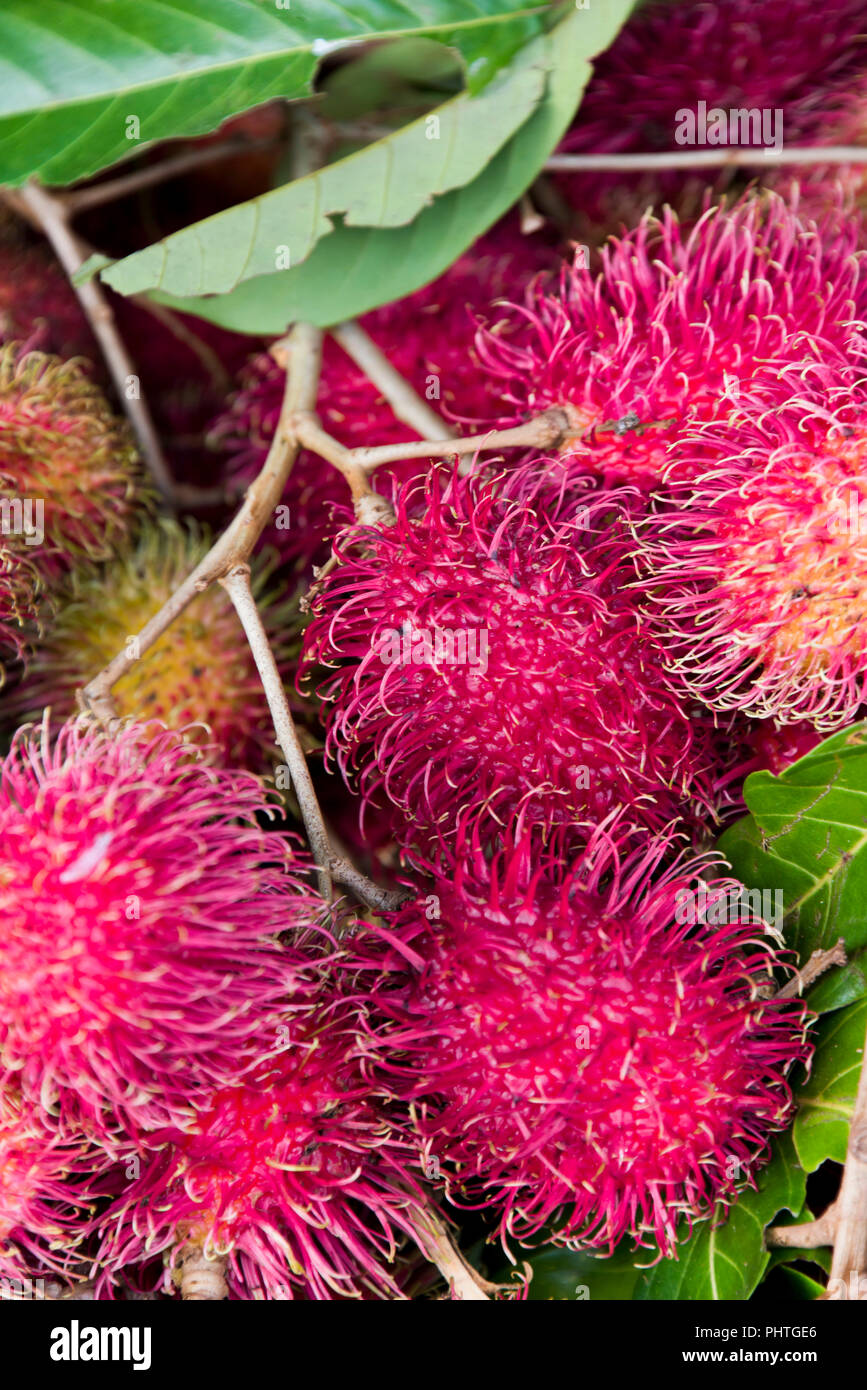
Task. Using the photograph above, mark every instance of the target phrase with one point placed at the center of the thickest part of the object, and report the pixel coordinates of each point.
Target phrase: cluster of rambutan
(539, 673)
(181, 1070)
(539, 676)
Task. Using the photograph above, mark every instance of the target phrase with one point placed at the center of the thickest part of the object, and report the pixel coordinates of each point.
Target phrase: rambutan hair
(143, 908)
(199, 673)
(61, 444)
(492, 670)
(679, 324)
(598, 1054)
(777, 55)
(298, 1177)
(756, 569)
(19, 584)
(44, 1212)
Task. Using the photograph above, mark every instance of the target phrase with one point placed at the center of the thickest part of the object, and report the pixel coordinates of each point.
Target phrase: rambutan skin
(297, 1177)
(785, 56)
(757, 568)
(44, 1212)
(19, 585)
(60, 444)
(491, 670)
(199, 672)
(677, 327)
(143, 906)
(601, 1054)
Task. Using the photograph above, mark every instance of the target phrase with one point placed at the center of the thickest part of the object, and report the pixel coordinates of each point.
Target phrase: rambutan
(38, 305)
(758, 570)
(784, 56)
(492, 669)
(62, 447)
(142, 905)
(679, 326)
(42, 1203)
(199, 672)
(601, 1055)
(296, 1178)
(19, 582)
(776, 746)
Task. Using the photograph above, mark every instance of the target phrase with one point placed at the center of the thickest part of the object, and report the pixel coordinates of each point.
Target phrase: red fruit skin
(777, 746)
(582, 1063)
(143, 907)
(43, 1195)
(428, 337)
(38, 306)
(680, 326)
(298, 1176)
(563, 717)
(756, 560)
(785, 55)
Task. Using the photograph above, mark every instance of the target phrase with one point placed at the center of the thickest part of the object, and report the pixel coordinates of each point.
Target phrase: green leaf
(386, 184)
(354, 269)
(792, 1285)
(76, 75)
(576, 1275)
(807, 837)
(390, 77)
(826, 1102)
(728, 1261)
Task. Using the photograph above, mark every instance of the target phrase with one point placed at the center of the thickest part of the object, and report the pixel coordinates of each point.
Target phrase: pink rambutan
(142, 905)
(38, 305)
(19, 582)
(491, 669)
(42, 1201)
(785, 56)
(758, 569)
(602, 1055)
(678, 327)
(428, 338)
(296, 1177)
(62, 448)
(776, 746)
(199, 672)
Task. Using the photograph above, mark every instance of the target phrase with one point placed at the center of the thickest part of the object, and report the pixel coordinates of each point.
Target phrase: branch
(848, 1277)
(544, 431)
(819, 962)
(436, 1245)
(370, 507)
(237, 586)
(49, 213)
(367, 892)
(199, 1279)
(78, 200)
(808, 1236)
(407, 405)
(709, 159)
(235, 546)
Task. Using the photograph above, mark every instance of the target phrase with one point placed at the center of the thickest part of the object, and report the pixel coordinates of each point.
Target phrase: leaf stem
(50, 214)
(407, 405)
(709, 159)
(544, 431)
(237, 586)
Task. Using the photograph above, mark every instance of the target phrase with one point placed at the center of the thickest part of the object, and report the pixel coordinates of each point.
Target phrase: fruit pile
(529, 693)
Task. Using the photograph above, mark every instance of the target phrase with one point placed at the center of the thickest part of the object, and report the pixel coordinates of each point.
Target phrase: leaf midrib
(207, 68)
